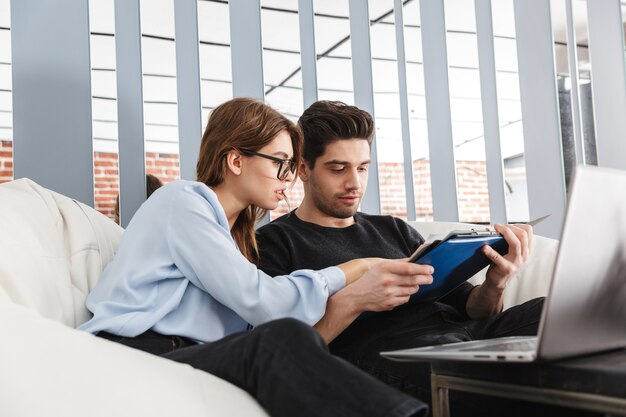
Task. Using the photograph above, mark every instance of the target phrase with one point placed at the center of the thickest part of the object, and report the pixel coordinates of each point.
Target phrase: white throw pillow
(53, 250)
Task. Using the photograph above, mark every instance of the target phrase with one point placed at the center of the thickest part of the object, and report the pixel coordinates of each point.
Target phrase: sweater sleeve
(202, 248)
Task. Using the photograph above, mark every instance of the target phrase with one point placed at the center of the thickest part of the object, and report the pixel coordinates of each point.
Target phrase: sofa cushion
(53, 250)
(531, 281)
(49, 369)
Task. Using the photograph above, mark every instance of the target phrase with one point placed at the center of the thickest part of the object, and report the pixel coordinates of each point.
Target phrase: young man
(327, 229)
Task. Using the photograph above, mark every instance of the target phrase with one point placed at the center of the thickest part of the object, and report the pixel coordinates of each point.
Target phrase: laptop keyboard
(517, 345)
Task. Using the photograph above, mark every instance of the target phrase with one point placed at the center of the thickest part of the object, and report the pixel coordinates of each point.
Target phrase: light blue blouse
(178, 271)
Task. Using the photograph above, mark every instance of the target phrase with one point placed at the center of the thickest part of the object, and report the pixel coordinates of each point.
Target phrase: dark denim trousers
(416, 325)
(287, 367)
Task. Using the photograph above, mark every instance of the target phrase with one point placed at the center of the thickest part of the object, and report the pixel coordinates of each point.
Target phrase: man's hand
(486, 299)
(503, 268)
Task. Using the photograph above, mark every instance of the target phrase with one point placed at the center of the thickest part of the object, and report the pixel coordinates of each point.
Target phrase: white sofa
(52, 251)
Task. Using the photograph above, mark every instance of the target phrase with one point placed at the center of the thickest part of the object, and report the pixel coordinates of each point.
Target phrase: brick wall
(422, 189)
(106, 174)
(106, 180)
(472, 191)
(6, 161)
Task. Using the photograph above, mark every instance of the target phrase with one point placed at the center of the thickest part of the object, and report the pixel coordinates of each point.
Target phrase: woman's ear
(234, 162)
(303, 172)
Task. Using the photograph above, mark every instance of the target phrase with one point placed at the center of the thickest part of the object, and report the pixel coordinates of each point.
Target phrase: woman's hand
(355, 268)
(382, 285)
(388, 284)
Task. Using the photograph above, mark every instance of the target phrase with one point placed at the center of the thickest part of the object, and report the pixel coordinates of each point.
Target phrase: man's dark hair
(325, 122)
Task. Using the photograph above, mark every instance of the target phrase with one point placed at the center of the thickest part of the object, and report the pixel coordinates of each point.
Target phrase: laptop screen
(585, 311)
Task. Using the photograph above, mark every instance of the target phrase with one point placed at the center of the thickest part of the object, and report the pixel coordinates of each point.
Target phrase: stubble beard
(330, 208)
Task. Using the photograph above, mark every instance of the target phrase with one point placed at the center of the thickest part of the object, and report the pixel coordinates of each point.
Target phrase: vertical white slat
(437, 91)
(188, 86)
(246, 49)
(364, 91)
(572, 48)
(540, 114)
(606, 52)
(491, 121)
(308, 55)
(132, 166)
(404, 110)
(51, 72)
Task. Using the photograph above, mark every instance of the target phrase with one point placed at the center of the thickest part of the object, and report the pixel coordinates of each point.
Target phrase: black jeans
(285, 365)
(416, 325)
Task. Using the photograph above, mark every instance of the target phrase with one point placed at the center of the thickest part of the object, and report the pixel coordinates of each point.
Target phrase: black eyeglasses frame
(282, 173)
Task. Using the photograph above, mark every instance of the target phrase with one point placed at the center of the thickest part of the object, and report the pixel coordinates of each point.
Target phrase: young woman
(182, 285)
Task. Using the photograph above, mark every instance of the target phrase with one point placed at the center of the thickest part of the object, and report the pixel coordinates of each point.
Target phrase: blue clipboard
(456, 258)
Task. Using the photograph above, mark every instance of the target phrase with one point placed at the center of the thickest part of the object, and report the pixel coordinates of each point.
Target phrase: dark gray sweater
(288, 244)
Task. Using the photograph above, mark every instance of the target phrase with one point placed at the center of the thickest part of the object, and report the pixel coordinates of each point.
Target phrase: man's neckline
(319, 226)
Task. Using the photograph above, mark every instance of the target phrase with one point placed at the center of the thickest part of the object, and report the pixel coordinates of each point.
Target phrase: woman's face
(259, 179)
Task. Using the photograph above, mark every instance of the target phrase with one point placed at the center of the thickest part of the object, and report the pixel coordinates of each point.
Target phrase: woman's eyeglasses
(285, 166)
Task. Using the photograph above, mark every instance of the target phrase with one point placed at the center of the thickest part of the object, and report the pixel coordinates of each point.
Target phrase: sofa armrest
(51, 369)
(531, 281)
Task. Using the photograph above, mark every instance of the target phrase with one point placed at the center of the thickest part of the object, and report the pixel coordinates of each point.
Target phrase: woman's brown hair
(242, 124)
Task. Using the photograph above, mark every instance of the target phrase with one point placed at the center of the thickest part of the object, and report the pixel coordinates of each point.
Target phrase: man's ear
(303, 172)
(234, 162)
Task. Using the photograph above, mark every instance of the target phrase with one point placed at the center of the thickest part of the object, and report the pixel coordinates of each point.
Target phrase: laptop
(585, 310)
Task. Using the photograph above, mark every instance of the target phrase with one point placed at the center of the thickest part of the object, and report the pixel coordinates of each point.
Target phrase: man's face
(338, 180)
